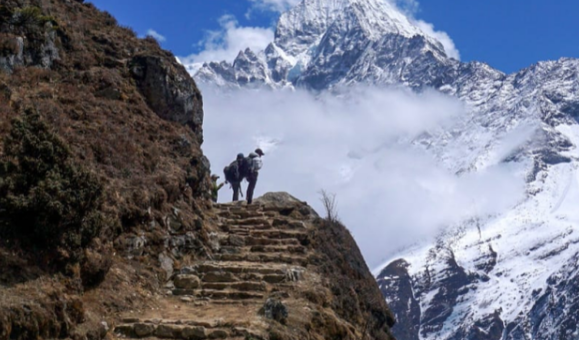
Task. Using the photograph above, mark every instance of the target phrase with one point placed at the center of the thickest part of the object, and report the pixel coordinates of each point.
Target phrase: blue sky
(509, 35)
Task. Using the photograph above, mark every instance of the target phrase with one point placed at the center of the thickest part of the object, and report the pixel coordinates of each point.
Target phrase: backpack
(256, 164)
(244, 167)
(231, 172)
(253, 165)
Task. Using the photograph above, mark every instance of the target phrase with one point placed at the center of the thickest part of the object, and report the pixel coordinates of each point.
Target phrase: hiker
(233, 175)
(254, 164)
(215, 187)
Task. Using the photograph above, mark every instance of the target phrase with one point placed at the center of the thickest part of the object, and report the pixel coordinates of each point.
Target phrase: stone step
(279, 234)
(235, 228)
(264, 258)
(218, 294)
(289, 249)
(264, 241)
(237, 268)
(236, 215)
(245, 286)
(175, 331)
(219, 277)
(250, 221)
(215, 323)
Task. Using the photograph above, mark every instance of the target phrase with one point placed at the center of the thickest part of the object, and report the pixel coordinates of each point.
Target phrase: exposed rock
(274, 309)
(170, 91)
(143, 330)
(166, 264)
(187, 281)
(396, 285)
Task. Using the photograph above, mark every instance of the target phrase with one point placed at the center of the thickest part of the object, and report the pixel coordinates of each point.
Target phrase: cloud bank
(389, 193)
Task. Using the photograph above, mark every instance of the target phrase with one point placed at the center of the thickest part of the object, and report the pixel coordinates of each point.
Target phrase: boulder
(187, 281)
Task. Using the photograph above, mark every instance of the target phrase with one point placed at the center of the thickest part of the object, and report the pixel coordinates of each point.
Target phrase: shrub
(30, 16)
(46, 200)
(330, 206)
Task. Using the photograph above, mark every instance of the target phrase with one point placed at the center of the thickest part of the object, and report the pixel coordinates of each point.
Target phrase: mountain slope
(508, 275)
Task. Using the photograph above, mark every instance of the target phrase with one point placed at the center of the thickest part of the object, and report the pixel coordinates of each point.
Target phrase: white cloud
(274, 5)
(226, 43)
(156, 35)
(441, 36)
(410, 8)
(389, 193)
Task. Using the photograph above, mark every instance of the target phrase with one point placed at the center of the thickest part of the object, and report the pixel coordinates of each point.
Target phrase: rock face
(487, 277)
(169, 91)
(285, 280)
(27, 38)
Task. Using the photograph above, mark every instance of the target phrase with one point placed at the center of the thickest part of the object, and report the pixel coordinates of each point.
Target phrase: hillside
(104, 194)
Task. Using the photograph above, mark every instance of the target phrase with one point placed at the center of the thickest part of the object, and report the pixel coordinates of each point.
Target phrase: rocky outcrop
(396, 285)
(169, 91)
(27, 38)
(277, 271)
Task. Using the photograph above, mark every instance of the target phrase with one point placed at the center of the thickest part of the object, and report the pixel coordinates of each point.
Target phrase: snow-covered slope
(511, 276)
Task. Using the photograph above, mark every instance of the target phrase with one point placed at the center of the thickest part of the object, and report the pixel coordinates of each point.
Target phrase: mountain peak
(320, 44)
(307, 22)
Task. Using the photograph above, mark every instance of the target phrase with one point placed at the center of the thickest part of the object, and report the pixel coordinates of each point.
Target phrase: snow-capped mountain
(508, 276)
(323, 43)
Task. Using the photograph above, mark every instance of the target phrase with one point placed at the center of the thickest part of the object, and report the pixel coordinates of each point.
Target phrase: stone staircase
(260, 255)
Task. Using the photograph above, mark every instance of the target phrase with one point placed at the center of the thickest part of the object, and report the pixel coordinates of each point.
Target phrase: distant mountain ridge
(507, 277)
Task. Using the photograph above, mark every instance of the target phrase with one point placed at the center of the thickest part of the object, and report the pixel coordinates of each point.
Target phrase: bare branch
(330, 206)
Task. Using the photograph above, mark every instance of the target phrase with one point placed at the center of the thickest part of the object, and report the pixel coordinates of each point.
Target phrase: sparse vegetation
(47, 201)
(30, 16)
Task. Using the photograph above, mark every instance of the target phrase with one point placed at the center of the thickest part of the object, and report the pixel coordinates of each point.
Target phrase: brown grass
(89, 98)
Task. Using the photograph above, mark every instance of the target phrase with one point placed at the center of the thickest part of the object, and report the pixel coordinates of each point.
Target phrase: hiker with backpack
(254, 164)
(234, 175)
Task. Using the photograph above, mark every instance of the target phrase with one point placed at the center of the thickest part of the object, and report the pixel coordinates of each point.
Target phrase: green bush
(46, 200)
